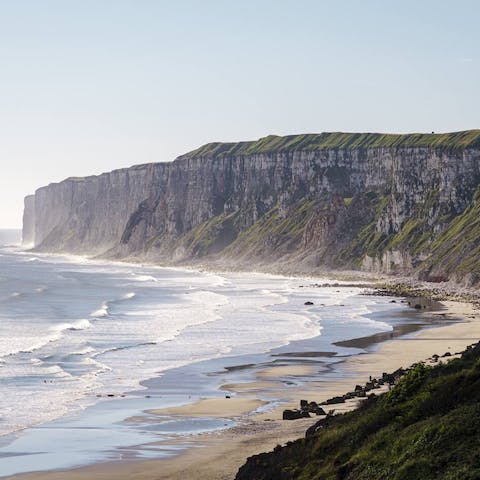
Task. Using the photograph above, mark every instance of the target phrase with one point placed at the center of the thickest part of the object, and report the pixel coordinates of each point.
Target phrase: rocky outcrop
(371, 201)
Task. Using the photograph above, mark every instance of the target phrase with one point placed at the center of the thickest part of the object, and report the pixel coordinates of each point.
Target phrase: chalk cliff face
(88, 215)
(28, 233)
(390, 203)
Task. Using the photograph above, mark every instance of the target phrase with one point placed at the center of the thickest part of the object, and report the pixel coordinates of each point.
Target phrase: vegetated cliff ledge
(378, 202)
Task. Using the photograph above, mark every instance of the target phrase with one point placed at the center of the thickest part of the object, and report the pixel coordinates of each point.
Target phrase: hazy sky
(91, 85)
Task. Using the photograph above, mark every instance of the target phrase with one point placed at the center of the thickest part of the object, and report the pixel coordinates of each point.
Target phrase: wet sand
(217, 456)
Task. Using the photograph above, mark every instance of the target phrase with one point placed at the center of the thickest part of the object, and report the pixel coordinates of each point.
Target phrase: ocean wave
(101, 312)
(123, 347)
(84, 351)
(54, 370)
(100, 367)
(82, 324)
(144, 278)
(11, 350)
(207, 298)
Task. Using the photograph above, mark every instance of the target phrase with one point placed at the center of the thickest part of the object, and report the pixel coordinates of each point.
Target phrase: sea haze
(10, 237)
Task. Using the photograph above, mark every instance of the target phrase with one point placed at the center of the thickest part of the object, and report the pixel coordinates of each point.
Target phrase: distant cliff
(387, 203)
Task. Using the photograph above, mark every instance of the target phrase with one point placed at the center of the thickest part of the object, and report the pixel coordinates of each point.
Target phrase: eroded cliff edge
(387, 203)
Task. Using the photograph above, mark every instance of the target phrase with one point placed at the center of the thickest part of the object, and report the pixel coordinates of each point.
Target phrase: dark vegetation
(427, 427)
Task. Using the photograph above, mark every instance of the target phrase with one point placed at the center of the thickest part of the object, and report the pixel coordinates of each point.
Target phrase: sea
(86, 342)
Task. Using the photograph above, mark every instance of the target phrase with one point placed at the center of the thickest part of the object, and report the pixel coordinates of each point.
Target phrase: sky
(88, 86)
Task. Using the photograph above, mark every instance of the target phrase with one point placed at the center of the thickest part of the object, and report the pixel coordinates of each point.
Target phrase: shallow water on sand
(78, 334)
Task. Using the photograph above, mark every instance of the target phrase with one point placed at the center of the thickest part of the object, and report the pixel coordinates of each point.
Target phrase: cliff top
(323, 141)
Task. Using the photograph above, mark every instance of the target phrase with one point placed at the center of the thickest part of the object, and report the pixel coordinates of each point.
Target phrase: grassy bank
(425, 428)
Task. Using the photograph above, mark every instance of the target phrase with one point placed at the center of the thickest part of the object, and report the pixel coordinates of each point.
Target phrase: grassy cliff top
(323, 141)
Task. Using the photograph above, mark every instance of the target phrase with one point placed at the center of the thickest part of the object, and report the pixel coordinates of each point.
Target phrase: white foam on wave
(370, 322)
(143, 278)
(24, 344)
(358, 314)
(101, 312)
(179, 317)
(32, 259)
(100, 367)
(78, 325)
(207, 298)
(84, 351)
(54, 370)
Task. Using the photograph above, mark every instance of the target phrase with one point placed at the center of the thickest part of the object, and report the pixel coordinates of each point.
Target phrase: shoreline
(218, 455)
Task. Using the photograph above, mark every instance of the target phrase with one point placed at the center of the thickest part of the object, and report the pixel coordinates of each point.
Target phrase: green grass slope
(427, 427)
(338, 140)
(457, 249)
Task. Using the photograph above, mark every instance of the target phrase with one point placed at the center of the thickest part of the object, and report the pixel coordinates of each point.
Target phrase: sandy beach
(217, 456)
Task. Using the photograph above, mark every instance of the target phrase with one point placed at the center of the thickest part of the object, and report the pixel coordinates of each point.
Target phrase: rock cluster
(359, 392)
(306, 408)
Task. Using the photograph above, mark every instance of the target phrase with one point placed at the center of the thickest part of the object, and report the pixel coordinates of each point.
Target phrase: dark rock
(294, 414)
(334, 400)
(308, 303)
(418, 306)
(303, 404)
(320, 424)
(323, 423)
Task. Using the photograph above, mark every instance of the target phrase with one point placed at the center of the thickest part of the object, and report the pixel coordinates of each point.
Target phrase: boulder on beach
(294, 414)
(333, 400)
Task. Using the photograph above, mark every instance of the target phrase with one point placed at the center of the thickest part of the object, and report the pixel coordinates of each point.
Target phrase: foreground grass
(426, 427)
